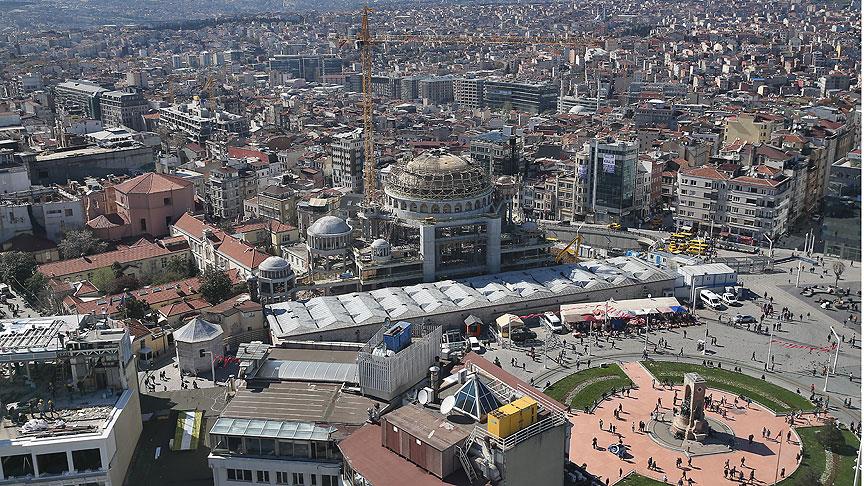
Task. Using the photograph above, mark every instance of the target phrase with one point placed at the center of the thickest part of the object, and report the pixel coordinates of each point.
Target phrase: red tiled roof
(190, 224)
(152, 182)
(240, 302)
(756, 181)
(155, 295)
(242, 253)
(92, 262)
(106, 221)
(383, 467)
(183, 307)
(705, 172)
(85, 288)
(240, 153)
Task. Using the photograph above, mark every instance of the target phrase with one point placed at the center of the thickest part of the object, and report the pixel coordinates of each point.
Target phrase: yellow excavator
(569, 251)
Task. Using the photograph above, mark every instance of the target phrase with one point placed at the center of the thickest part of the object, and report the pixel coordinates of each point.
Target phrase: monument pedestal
(690, 423)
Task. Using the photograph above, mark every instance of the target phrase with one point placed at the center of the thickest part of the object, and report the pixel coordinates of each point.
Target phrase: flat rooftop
(301, 402)
(73, 415)
(430, 299)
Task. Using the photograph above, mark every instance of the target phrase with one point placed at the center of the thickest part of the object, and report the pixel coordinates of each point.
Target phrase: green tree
(132, 308)
(182, 267)
(831, 438)
(102, 278)
(215, 286)
(16, 267)
(78, 243)
(37, 289)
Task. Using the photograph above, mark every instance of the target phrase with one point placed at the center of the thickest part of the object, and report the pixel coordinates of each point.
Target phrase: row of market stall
(617, 315)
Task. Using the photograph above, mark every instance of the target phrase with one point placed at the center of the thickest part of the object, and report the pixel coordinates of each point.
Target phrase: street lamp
(770, 252)
(770, 340)
(203, 353)
(647, 323)
(836, 351)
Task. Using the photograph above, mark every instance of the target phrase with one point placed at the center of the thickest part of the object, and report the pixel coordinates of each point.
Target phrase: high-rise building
(499, 152)
(610, 176)
(527, 97)
(123, 108)
(79, 98)
(436, 90)
(306, 66)
(468, 92)
(347, 155)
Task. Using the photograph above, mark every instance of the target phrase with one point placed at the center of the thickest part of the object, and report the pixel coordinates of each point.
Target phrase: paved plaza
(761, 456)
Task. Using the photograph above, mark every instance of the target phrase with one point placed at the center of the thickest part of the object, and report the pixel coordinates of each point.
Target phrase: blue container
(398, 337)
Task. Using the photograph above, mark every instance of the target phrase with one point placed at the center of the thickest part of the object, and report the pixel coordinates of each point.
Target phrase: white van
(710, 299)
(552, 322)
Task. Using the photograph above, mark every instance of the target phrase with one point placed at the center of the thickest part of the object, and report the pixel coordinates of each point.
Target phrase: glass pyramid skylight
(475, 400)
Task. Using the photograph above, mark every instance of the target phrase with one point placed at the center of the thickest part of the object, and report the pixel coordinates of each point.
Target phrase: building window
(297, 479)
(281, 477)
(327, 480)
(166, 201)
(240, 475)
(88, 459)
(143, 224)
(263, 476)
(52, 463)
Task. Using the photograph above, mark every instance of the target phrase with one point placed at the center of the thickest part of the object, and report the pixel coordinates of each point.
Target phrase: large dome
(437, 175)
(329, 226)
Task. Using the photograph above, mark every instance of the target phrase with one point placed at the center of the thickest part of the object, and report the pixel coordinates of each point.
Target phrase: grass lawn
(846, 466)
(776, 398)
(637, 480)
(813, 463)
(591, 384)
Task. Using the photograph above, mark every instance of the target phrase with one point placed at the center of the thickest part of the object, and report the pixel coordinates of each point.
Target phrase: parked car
(475, 344)
(520, 334)
(552, 322)
(743, 319)
(730, 299)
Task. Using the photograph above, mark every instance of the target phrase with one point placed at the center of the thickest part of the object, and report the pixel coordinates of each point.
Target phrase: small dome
(196, 331)
(380, 243)
(329, 226)
(578, 109)
(273, 264)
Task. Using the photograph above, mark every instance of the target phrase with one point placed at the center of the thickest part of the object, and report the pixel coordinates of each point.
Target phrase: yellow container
(512, 417)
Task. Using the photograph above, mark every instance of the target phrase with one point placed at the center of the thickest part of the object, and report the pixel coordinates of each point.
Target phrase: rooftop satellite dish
(448, 404)
(424, 396)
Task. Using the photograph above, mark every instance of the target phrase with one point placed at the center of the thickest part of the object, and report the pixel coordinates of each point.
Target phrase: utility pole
(836, 352)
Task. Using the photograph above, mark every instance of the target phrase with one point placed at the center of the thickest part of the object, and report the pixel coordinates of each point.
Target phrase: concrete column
(493, 246)
(427, 249)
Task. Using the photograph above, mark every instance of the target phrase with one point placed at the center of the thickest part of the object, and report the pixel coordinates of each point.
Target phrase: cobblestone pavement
(792, 349)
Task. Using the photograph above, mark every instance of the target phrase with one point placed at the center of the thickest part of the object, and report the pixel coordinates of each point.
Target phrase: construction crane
(364, 42)
(577, 240)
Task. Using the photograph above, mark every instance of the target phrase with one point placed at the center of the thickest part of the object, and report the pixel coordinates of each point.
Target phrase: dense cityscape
(432, 243)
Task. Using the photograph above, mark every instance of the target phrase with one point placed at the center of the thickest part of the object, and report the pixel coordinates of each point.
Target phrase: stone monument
(689, 421)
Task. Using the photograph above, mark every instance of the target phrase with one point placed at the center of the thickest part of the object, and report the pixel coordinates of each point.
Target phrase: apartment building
(286, 430)
(701, 197)
(123, 108)
(527, 97)
(751, 206)
(47, 212)
(200, 123)
(751, 127)
(227, 187)
(95, 422)
(436, 90)
(274, 202)
(80, 98)
(346, 151)
(468, 92)
(499, 152)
